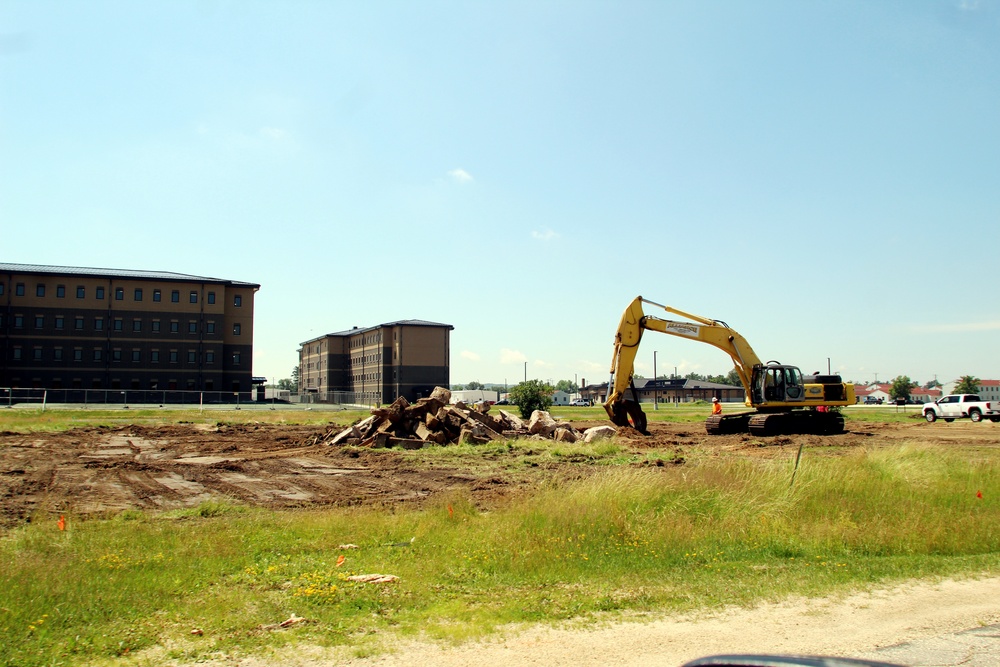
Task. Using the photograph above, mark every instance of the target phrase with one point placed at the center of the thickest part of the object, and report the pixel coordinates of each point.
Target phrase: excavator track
(796, 422)
(728, 424)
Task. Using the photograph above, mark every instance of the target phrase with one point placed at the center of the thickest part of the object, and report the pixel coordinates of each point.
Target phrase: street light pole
(656, 390)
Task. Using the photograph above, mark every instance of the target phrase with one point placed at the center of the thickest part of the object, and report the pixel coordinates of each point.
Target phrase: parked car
(582, 402)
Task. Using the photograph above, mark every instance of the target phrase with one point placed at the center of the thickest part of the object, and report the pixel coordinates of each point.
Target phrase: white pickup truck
(959, 406)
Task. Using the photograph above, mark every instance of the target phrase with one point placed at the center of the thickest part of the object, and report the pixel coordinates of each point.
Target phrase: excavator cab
(777, 383)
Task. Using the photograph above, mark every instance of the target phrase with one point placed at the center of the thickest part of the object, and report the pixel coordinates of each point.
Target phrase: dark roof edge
(358, 330)
(92, 272)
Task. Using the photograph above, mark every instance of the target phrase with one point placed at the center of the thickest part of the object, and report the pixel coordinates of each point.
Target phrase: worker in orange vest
(716, 406)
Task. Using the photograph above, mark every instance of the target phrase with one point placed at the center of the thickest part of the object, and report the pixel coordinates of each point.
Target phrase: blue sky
(822, 175)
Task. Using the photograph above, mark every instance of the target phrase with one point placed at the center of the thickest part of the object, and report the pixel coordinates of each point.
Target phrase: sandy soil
(100, 471)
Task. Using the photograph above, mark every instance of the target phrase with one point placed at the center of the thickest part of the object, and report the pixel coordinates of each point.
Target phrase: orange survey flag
(62, 522)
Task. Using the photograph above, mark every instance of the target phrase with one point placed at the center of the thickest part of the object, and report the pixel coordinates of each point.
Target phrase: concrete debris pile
(435, 420)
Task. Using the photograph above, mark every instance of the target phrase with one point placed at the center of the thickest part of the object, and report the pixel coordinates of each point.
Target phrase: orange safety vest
(716, 408)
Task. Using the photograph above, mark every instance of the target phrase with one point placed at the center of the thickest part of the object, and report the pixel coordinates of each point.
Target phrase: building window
(136, 325)
(174, 326)
(39, 321)
(175, 296)
(118, 324)
(136, 355)
(98, 323)
(193, 327)
(173, 356)
(210, 327)
(57, 354)
(77, 354)
(60, 291)
(116, 355)
(19, 289)
(238, 301)
(154, 356)
(81, 291)
(210, 357)
(193, 297)
(60, 322)
(192, 356)
(78, 323)
(156, 295)
(97, 354)
(1, 289)
(36, 354)
(99, 293)
(119, 294)
(16, 353)
(19, 321)
(156, 326)
(39, 290)
(137, 295)
(236, 329)
(236, 358)
(211, 297)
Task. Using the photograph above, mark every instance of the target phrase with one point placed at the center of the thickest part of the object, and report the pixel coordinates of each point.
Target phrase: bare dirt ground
(101, 471)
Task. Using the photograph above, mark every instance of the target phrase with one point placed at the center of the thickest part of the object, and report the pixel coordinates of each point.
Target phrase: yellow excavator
(784, 401)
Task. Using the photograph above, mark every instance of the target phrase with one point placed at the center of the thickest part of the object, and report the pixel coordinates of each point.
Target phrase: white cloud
(544, 235)
(512, 357)
(460, 176)
(471, 356)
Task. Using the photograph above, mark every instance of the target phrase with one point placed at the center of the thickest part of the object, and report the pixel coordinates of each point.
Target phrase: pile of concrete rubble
(435, 420)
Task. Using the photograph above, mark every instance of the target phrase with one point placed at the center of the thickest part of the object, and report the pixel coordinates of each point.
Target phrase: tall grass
(716, 531)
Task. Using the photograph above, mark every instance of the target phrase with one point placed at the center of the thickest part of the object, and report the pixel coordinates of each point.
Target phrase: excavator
(784, 401)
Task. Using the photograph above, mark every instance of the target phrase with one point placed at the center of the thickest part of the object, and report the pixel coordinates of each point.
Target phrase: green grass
(719, 530)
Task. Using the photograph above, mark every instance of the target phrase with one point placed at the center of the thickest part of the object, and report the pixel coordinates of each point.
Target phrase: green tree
(530, 396)
(901, 387)
(967, 384)
(293, 384)
(569, 386)
(933, 384)
(288, 383)
(474, 385)
(733, 378)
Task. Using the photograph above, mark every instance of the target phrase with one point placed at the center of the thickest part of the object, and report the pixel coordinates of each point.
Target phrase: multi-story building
(76, 329)
(377, 364)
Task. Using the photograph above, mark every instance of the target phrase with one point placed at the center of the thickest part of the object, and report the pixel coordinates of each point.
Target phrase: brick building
(376, 364)
(74, 329)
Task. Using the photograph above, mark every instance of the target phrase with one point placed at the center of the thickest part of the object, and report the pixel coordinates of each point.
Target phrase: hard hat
(715, 400)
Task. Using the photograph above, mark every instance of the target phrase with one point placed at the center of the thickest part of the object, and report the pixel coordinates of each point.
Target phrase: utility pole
(526, 371)
(656, 391)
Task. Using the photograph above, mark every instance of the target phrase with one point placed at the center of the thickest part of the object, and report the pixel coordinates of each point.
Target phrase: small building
(376, 365)
(674, 390)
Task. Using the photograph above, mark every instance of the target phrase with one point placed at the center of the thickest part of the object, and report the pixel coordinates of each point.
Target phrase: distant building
(376, 364)
(78, 329)
(675, 390)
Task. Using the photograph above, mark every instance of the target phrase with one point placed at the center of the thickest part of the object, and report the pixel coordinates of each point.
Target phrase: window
(99, 292)
(60, 322)
(16, 353)
(210, 357)
(36, 354)
(156, 295)
(173, 356)
(77, 354)
(60, 291)
(136, 325)
(210, 327)
(39, 321)
(175, 297)
(136, 355)
(1, 289)
(78, 323)
(236, 358)
(118, 324)
(236, 329)
(119, 293)
(19, 321)
(238, 300)
(39, 290)
(156, 326)
(97, 354)
(81, 291)
(211, 297)
(98, 323)
(154, 356)
(116, 355)
(192, 356)
(137, 295)
(193, 327)
(57, 354)
(174, 326)
(19, 289)
(193, 297)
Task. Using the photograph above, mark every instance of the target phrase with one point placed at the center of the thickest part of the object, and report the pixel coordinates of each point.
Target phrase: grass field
(725, 529)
